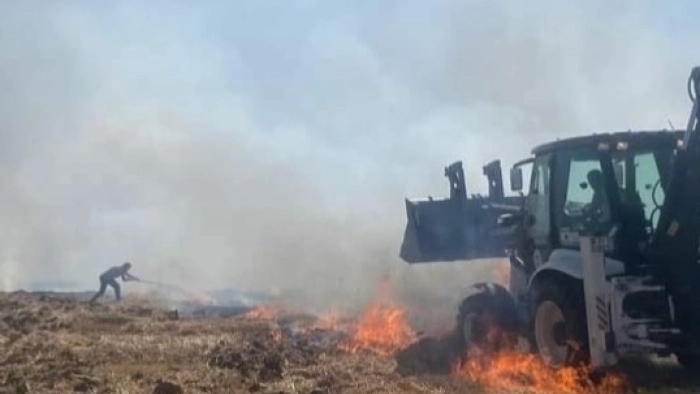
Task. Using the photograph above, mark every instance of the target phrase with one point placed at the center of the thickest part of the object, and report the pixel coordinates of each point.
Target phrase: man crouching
(109, 278)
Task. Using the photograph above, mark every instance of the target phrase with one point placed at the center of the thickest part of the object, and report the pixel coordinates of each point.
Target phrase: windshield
(582, 197)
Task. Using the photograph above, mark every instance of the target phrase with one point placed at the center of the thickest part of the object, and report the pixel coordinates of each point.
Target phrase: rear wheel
(559, 331)
(487, 319)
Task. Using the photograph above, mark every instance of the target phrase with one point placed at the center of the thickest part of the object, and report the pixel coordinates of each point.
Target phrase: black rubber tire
(567, 294)
(495, 309)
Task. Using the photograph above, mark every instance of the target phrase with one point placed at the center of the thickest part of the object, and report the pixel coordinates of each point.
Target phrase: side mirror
(516, 179)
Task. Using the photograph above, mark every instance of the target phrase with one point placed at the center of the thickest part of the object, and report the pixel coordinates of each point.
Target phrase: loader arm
(673, 252)
(678, 228)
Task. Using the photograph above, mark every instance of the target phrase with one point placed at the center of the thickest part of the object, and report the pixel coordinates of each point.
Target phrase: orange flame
(521, 372)
(383, 328)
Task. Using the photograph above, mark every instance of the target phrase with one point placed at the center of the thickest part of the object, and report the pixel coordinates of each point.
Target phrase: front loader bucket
(434, 231)
(458, 227)
(410, 250)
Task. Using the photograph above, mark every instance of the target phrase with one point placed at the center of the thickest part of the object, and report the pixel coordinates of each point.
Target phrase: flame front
(514, 371)
(383, 328)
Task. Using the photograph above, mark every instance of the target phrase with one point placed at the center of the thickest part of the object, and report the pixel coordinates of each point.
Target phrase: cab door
(538, 205)
(459, 228)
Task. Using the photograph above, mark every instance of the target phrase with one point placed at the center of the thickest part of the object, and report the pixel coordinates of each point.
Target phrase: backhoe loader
(603, 246)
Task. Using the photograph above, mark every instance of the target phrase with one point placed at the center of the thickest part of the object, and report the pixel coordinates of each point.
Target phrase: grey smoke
(271, 146)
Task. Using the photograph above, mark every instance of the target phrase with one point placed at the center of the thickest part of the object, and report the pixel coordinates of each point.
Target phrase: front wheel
(559, 331)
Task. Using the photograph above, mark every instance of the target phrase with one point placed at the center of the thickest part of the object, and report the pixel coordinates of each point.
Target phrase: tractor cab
(609, 184)
(612, 184)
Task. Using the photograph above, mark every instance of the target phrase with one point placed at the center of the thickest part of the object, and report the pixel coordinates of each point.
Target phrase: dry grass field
(57, 345)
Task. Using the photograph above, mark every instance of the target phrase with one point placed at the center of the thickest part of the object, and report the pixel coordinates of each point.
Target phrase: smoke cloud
(216, 144)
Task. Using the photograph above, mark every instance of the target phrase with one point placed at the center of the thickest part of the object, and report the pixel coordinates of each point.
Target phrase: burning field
(56, 345)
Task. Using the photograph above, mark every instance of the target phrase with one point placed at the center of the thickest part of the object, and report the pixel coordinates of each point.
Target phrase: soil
(57, 345)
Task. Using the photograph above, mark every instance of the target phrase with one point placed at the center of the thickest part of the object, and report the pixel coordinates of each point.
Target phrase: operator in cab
(599, 204)
(109, 278)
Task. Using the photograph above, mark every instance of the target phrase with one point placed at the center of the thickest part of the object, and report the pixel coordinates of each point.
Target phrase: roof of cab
(634, 139)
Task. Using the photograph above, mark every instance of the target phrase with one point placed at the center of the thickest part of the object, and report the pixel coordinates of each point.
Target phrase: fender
(568, 262)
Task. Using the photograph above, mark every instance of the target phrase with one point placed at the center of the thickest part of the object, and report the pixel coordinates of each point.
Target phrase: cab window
(585, 197)
(639, 182)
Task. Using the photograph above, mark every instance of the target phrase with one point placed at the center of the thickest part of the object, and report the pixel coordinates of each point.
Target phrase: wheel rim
(550, 333)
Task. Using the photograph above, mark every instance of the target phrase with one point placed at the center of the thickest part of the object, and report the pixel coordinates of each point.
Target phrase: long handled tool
(169, 286)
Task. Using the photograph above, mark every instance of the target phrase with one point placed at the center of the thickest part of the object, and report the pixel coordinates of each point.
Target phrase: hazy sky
(271, 143)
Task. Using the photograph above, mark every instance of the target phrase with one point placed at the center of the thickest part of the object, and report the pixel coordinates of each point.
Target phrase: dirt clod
(85, 384)
(167, 388)
(428, 356)
(253, 361)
